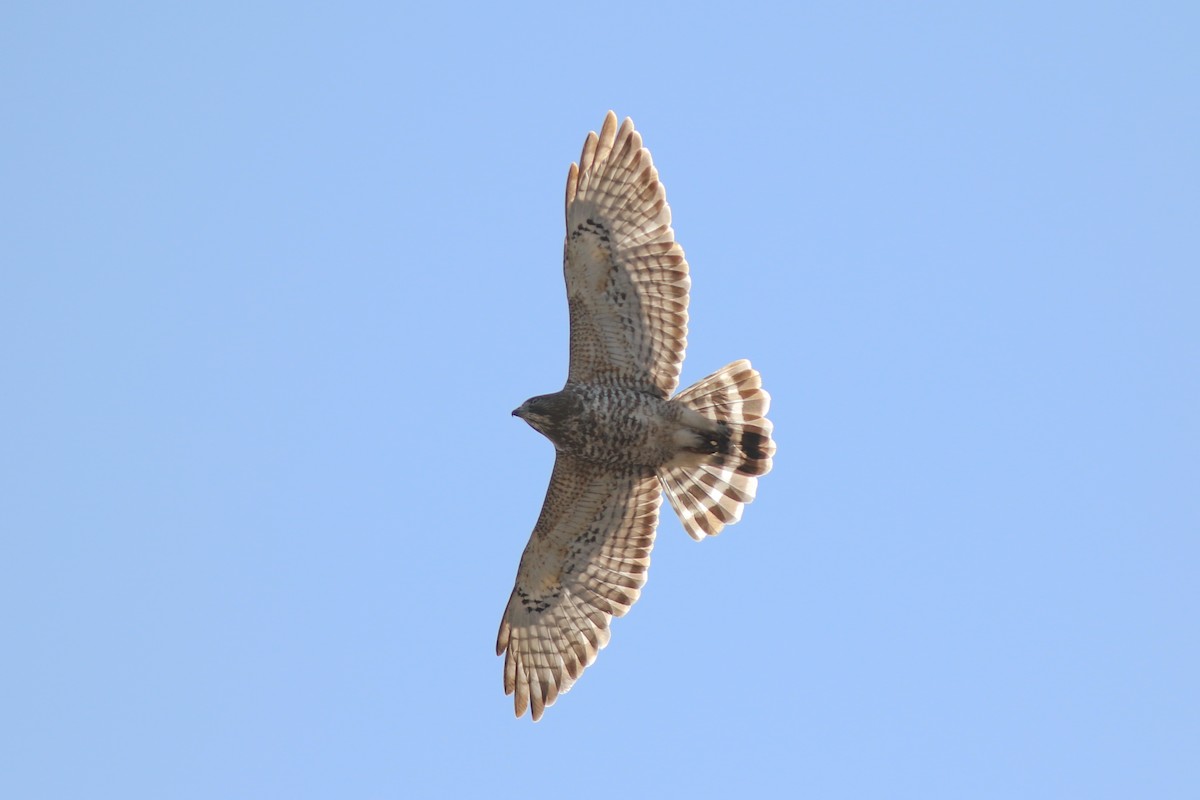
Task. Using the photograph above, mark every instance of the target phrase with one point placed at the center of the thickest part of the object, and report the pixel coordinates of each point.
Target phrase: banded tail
(708, 487)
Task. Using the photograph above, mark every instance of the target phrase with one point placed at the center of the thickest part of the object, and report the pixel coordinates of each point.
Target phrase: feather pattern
(585, 563)
(627, 278)
(710, 495)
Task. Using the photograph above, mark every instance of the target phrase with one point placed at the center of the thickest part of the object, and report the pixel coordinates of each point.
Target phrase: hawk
(620, 437)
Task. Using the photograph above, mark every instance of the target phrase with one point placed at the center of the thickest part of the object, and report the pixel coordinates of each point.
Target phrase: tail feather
(709, 491)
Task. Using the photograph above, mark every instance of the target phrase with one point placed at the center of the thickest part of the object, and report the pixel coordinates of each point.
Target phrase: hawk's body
(621, 438)
(618, 427)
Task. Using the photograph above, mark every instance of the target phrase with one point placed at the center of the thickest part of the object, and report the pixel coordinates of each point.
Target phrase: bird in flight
(620, 437)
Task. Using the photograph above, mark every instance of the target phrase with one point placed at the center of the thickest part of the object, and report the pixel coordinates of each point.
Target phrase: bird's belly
(622, 427)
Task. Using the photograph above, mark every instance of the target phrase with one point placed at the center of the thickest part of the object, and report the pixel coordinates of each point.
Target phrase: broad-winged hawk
(621, 439)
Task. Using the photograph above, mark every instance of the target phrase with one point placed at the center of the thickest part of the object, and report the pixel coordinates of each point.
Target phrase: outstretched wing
(627, 279)
(585, 563)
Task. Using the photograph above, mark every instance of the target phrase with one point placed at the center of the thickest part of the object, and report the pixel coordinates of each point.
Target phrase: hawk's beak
(516, 412)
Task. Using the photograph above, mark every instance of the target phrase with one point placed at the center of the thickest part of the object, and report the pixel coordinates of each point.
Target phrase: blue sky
(274, 275)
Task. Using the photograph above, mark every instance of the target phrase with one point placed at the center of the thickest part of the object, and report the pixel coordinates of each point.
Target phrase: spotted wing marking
(585, 563)
(627, 278)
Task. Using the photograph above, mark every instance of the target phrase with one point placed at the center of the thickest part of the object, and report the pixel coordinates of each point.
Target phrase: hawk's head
(547, 413)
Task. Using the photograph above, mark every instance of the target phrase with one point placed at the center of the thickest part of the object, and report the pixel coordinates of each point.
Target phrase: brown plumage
(621, 439)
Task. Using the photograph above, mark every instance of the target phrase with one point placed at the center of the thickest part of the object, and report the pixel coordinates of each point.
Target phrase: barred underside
(711, 495)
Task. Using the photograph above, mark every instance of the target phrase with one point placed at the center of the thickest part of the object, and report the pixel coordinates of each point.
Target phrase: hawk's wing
(627, 279)
(585, 563)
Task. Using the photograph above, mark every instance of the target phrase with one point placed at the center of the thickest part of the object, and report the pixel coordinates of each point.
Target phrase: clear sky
(272, 277)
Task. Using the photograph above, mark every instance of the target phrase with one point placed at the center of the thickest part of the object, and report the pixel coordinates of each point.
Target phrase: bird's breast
(619, 426)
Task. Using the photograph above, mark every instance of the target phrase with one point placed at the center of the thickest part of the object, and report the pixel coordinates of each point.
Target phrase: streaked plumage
(621, 439)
